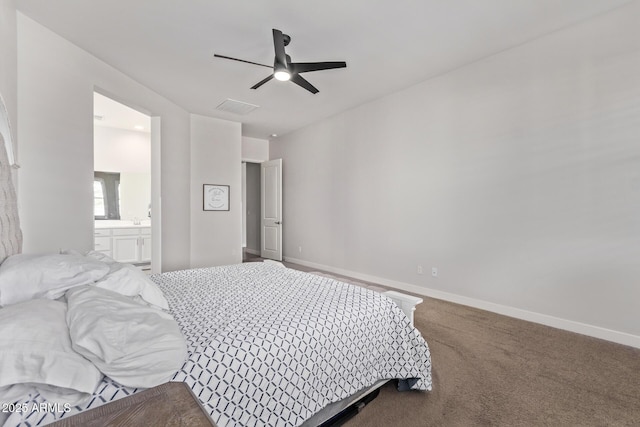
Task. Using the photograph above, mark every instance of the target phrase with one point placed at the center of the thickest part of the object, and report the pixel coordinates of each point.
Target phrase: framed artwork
(215, 197)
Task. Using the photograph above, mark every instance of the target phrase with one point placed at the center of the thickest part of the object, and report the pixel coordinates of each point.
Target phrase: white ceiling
(168, 45)
(110, 113)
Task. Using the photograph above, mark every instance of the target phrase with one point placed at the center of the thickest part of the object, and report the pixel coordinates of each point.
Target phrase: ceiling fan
(284, 69)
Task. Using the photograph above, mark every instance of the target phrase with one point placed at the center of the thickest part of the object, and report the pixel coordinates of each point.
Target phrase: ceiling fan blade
(300, 81)
(261, 82)
(278, 44)
(240, 60)
(305, 67)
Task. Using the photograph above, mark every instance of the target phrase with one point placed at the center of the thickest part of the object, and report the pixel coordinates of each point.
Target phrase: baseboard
(556, 322)
(252, 251)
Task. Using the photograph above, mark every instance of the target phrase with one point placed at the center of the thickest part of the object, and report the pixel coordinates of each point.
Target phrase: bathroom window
(99, 201)
(106, 195)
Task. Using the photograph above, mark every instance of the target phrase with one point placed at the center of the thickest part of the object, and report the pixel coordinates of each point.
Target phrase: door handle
(278, 222)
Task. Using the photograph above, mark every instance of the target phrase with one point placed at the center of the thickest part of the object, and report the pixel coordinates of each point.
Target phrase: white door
(145, 249)
(271, 212)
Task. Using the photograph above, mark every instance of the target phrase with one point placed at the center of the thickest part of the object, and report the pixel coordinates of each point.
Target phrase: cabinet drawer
(126, 231)
(102, 244)
(145, 231)
(102, 232)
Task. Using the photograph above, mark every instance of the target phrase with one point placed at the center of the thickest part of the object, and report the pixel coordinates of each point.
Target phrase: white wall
(127, 152)
(56, 84)
(56, 81)
(255, 149)
(135, 195)
(518, 176)
(216, 236)
(121, 150)
(9, 62)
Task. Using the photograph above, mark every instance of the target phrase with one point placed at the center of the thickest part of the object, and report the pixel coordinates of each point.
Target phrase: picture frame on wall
(215, 197)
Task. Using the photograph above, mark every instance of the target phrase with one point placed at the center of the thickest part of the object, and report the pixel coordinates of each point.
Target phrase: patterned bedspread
(270, 346)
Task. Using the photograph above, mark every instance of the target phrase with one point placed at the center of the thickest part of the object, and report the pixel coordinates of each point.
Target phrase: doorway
(251, 211)
(262, 210)
(122, 183)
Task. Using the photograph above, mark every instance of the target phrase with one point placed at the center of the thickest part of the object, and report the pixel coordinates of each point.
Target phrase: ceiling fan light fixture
(282, 75)
(285, 70)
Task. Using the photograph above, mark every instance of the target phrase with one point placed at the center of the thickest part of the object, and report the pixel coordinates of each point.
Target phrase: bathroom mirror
(122, 195)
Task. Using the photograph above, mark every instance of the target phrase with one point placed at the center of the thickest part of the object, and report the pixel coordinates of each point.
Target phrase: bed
(263, 344)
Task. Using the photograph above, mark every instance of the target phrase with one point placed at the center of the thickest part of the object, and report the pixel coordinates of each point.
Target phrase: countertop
(110, 223)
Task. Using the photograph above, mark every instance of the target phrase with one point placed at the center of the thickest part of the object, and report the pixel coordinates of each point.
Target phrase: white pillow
(25, 277)
(36, 355)
(130, 281)
(135, 345)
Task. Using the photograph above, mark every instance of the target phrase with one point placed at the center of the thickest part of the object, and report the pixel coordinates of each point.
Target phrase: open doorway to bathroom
(122, 182)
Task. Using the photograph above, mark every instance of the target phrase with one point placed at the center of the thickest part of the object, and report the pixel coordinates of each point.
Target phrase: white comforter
(272, 346)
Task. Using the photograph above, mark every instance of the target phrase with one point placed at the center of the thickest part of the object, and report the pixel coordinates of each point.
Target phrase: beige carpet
(492, 370)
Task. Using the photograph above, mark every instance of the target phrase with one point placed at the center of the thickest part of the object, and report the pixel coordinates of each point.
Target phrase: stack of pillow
(68, 319)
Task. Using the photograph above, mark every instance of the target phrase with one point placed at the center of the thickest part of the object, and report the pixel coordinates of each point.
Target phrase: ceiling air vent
(236, 107)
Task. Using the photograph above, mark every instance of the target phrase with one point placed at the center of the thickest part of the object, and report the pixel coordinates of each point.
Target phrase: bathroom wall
(129, 153)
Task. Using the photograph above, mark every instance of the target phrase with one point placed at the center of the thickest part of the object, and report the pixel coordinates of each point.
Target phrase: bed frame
(335, 414)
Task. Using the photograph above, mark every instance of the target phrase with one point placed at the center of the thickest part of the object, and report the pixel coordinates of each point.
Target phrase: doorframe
(156, 174)
(156, 198)
(244, 206)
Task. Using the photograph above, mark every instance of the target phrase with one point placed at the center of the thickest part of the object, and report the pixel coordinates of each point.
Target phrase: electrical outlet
(300, 249)
(419, 269)
(434, 271)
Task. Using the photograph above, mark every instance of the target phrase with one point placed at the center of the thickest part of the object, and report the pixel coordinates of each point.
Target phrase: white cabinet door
(125, 248)
(145, 249)
(128, 244)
